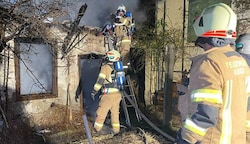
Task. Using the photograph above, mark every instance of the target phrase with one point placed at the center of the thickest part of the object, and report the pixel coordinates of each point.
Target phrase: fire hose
(150, 123)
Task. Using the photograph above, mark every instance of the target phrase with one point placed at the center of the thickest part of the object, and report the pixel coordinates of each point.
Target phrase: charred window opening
(35, 69)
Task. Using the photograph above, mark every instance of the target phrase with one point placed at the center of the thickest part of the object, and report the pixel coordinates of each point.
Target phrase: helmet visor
(120, 13)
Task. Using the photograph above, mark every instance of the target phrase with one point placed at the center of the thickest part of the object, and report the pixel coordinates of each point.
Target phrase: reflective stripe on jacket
(109, 90)
(218, 98)
(104, 77)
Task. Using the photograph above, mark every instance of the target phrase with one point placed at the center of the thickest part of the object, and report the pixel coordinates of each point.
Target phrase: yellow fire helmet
(113, 55)
(217, 20)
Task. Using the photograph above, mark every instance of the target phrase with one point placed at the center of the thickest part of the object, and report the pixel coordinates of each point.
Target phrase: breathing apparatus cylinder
(120, 77)
(120, 74)
(129, 14)
(118, 65)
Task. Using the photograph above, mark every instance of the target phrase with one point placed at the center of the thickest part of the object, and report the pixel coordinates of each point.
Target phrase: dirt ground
(55, 127)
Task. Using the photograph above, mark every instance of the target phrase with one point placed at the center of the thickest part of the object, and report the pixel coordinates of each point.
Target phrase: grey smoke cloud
(98, 11)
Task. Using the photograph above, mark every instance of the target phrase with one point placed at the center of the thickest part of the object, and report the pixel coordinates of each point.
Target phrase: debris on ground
(53, 127)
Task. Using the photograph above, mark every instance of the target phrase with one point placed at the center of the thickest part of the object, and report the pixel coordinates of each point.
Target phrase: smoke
(98, 11)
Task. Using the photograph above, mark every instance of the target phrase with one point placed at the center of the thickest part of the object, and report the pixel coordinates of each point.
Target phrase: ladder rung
(128, 99)
(129, 96)
(129, 105)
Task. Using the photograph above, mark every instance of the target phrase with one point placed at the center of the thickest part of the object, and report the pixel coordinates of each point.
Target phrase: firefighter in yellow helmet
(218, 83)
(122, 30)
(110, 97)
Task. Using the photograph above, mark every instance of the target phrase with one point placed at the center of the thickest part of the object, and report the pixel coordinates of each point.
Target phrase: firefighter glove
(179, 139)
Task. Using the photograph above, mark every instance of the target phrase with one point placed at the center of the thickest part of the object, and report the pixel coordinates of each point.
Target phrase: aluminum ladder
(109, 42)
(129, 100)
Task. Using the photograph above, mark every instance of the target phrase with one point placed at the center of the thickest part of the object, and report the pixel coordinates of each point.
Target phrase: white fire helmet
(121, 8)
(113, 55)
(243, 43)
(217, 20)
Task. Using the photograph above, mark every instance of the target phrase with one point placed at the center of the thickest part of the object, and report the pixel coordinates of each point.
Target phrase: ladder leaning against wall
(109, 42)
(128, 95)
(129, 101)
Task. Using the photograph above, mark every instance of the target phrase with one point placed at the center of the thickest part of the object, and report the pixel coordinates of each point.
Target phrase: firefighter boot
(104, 131)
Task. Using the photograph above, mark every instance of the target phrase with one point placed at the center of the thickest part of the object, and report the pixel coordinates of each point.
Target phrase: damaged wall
(90, 44)
(67, 69)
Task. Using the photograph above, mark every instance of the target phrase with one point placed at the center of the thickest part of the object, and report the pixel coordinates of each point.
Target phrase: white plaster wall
(90, 44)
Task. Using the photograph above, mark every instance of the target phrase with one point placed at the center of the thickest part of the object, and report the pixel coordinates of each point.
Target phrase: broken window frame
(23, 97)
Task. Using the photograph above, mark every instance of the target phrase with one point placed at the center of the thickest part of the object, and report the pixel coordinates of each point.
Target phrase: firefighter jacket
(123, 35)
(104, 80)
(110, 99)
(122, 30)
(122, 26)
(218, 98)
(247, 58)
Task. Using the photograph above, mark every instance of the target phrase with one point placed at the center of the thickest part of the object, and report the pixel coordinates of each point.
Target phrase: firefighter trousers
(109, 102)
(124, 48)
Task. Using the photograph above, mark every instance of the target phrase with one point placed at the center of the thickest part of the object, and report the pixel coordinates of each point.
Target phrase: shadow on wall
(137, 61)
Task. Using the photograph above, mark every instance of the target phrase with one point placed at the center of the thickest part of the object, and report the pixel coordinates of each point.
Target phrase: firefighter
(218, 82)
(122, 29)
(243, 47)
(107, 29)
(110, 97)
(183, 95)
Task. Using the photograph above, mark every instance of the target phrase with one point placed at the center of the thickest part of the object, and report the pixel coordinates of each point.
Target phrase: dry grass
(53, 127)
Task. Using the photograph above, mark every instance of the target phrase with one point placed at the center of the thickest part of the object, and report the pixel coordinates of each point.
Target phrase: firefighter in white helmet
(110, 97)
(243, 47)
(218, 82)
(122, 30)
(121, 10)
